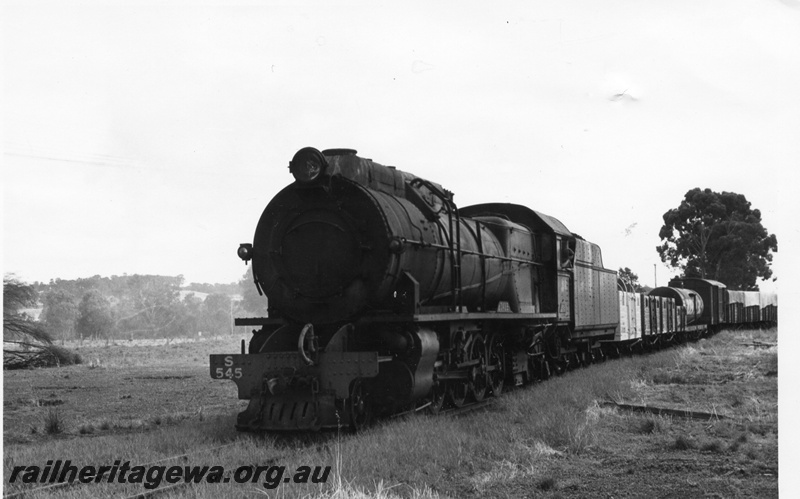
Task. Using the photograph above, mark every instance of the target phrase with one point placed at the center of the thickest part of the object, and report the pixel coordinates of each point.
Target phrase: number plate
(225, 367)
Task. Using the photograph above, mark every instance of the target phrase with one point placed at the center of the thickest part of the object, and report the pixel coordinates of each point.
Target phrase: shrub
(53, 422)
(61, 356)
(548, 483)
(682, 442)
(648, 426)
(714, 446)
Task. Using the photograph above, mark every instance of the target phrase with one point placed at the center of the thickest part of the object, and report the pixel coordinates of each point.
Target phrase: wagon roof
(698, 279)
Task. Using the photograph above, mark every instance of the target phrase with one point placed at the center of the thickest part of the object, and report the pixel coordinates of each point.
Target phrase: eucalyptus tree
(719, 236)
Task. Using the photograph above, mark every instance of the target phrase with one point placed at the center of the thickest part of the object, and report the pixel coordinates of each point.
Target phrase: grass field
(148, 403)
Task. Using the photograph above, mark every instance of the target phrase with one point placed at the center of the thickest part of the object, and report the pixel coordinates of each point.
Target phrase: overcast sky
(149, 139)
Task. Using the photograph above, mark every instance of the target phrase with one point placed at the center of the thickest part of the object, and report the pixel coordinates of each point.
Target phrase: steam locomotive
(384, 296)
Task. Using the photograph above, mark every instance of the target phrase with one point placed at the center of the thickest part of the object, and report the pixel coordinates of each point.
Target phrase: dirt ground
(123, 387)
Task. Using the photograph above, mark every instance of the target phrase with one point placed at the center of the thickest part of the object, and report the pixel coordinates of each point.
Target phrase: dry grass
(53, 422)
(550, 440)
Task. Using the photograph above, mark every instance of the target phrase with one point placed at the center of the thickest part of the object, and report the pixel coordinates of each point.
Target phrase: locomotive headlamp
(245, 251)
(308, 165)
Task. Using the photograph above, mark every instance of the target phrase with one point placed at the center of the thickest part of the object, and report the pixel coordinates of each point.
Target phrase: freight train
(384, 296)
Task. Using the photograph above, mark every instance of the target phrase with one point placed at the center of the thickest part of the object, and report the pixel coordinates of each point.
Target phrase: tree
(217, 313)
(191, 314)
(18, 328)
(25, 342)
(94, 316)
(252, 302)
(717, 236)
(629, 279)
(59, 313)
(150, 306)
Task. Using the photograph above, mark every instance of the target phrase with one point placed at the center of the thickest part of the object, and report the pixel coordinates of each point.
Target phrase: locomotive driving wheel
(557, 360)
(479, 377)
(359, 406)
(458, 389)
(496, 365)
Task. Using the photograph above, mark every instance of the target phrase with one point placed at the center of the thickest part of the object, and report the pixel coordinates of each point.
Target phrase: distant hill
(204, 287)
(236, 297)
(197, 294)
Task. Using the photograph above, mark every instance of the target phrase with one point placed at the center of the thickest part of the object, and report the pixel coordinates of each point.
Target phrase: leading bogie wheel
(437, 397)
(457, 391)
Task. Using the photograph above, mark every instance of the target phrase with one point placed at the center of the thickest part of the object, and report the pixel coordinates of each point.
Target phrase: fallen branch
(40, 356)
